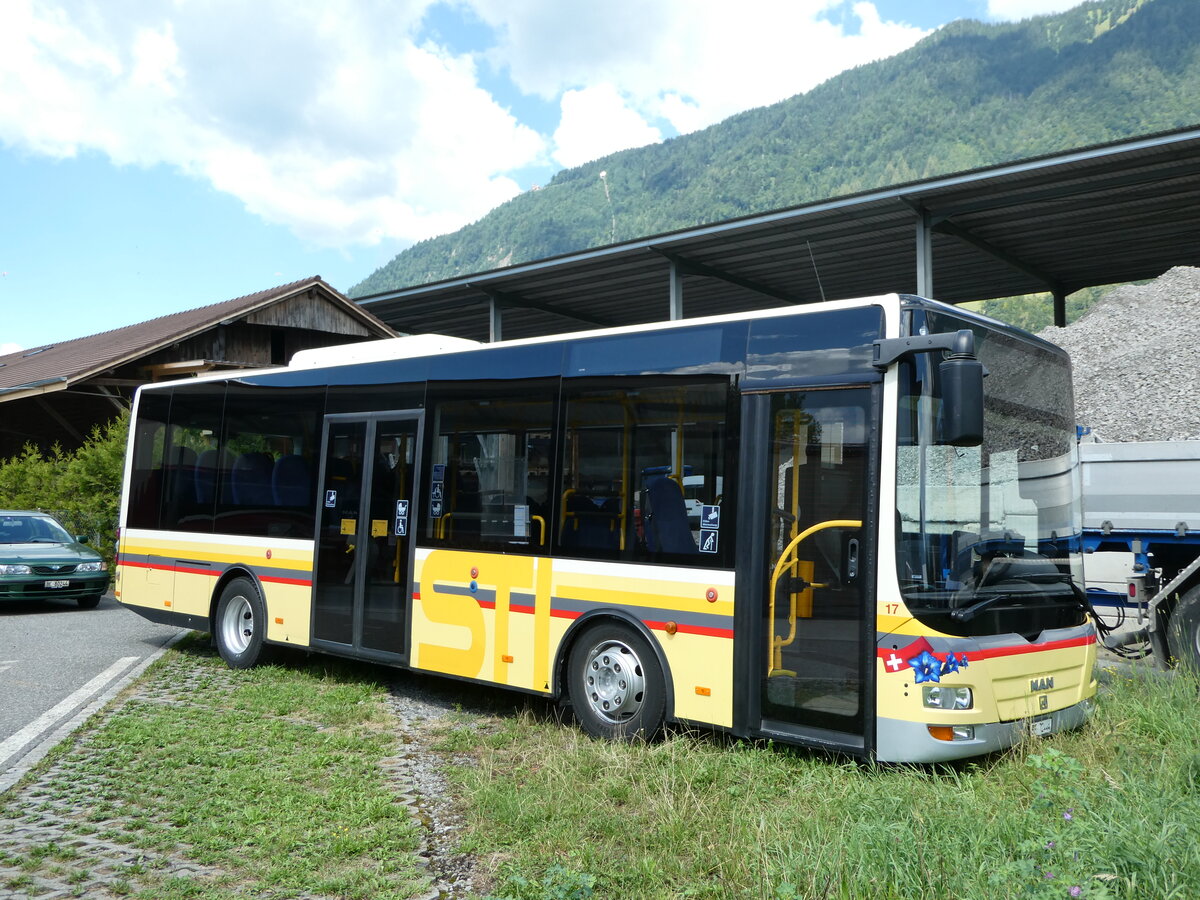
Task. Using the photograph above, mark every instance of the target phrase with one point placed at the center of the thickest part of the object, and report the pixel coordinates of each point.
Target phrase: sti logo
(1041, 684)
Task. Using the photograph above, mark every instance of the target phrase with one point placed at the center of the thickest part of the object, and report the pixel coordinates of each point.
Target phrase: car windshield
(31, 529)
(988, 536)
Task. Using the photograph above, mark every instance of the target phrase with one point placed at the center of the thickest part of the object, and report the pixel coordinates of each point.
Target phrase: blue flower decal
(953, 663)
(926, 666)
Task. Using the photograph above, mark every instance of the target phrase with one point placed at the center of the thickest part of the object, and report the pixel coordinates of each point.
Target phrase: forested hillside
(969, 95)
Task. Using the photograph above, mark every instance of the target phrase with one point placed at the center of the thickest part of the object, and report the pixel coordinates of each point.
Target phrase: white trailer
(1141, 521)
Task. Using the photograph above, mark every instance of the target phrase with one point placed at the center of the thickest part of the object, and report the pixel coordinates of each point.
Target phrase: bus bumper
(912, 742)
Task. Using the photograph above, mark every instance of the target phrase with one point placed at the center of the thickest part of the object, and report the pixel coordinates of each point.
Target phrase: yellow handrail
(562, 525)
(783, 564)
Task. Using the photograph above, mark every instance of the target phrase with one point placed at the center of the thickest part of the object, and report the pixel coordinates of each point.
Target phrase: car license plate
(58, 584)
(1042, 725)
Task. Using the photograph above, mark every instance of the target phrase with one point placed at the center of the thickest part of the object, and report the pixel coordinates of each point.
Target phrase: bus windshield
(988, 536)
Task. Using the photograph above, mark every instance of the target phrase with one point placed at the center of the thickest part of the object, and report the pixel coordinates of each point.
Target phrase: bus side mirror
(961, 378)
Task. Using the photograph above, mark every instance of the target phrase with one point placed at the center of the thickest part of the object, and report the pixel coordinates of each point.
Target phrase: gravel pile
(1136, 360)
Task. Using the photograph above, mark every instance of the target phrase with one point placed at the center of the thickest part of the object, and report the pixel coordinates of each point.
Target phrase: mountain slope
(969, 95)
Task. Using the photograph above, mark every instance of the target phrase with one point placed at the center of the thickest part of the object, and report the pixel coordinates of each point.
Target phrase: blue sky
(160, 155)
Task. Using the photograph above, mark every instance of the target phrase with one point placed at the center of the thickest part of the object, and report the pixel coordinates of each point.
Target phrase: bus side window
(194, 427)
(491, 448)
(292, 481)
(149, 447)
(264, 473)
(642, 470)
(666, 519)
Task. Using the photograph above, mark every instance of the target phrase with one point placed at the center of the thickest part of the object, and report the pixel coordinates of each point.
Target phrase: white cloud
(1014, 10)
(688, 62)
(339, 121)
(7, 347)
(329, 118)
(595, 122)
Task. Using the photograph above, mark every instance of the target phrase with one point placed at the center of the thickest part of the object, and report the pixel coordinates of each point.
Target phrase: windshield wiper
(1032, 578)
(967, 613)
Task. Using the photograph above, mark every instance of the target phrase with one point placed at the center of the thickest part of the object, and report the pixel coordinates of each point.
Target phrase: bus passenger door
(813, 669)
(362, 586)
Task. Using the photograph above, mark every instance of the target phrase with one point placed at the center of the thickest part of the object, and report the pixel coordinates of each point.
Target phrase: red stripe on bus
(991, 652)
(915, 647)
(657, 626)
(187, 570)
(513, 608)
(692, 629)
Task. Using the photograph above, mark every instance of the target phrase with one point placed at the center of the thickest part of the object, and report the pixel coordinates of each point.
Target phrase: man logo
(1044, 702)
(1041, 684)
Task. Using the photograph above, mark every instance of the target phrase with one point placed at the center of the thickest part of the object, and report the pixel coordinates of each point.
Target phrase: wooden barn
(58, 392)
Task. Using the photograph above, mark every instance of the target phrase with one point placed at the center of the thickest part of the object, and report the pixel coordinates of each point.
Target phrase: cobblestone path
(62, 835)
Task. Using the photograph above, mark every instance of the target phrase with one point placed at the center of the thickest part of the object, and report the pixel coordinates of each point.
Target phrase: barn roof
(59, 365)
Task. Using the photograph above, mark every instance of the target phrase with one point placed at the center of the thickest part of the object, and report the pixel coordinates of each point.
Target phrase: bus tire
(616, 685)
(1184, 629)
(240, 624)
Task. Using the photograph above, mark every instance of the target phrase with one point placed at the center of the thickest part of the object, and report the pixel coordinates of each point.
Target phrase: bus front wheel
(616, 685)
(240, 624)
(1184, 629)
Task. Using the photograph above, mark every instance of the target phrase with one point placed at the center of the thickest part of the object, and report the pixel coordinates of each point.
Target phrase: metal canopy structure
(1100, 215)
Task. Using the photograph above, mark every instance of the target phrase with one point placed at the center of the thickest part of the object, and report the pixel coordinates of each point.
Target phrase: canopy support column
(495, 320)
(676, 290)
(924, 253)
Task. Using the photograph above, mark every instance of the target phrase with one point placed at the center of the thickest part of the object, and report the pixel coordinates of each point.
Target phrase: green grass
(269, 778)
(1110, 811)
(272, 780)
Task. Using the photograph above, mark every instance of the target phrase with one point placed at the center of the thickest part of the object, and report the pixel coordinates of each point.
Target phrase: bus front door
(812, 671)
(362, 585)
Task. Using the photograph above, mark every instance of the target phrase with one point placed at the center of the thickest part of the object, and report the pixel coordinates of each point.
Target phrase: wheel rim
(237, 624)
(613, 681)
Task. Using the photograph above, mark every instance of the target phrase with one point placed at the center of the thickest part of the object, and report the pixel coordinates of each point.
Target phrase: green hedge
(81, 489)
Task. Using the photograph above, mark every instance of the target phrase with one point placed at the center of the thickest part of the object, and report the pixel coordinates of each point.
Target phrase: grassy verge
(1111, 811)
(215, 784)
(223, 784)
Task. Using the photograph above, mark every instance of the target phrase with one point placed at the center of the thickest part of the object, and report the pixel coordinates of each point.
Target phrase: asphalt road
(57, 661)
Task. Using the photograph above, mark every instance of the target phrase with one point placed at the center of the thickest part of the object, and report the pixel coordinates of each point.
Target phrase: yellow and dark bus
(851, 525)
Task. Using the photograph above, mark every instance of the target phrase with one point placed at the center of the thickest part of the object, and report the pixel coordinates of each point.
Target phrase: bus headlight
(941, 696)
(952, 732)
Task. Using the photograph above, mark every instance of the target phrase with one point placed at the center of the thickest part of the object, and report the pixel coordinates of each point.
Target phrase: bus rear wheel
(1184, 629)
(240, 624)
(616, 685)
